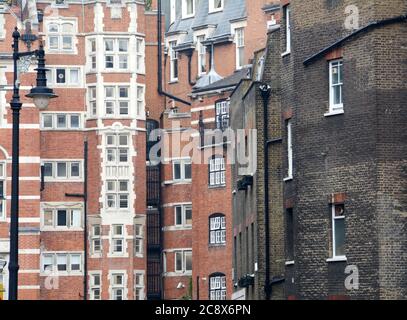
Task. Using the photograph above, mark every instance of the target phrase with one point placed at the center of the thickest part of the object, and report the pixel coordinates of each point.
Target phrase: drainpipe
(160, 62)
(189, 54)
(265, 91)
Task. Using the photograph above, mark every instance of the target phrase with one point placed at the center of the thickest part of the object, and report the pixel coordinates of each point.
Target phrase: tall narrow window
(117, 148)
(215, 5)
(289, 224)
(95, 287)
(92, 101)
(117, 286)
(140, 100)
(338, 231)
(96, 239)
(289, 150)
(336, 86)
(117, 239)
(173, 11)
(139, 286)
(140, 61)
(217, 229)
(201, 55)
(222, 114)
(217, 287)
(188, 8)
(2, 190)
(217, 171)
(287, 17)
(173, 61)
(92, 54)
(138, 239)
(240, 46)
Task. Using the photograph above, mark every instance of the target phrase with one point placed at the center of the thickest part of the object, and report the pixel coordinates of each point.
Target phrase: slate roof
(232, 10)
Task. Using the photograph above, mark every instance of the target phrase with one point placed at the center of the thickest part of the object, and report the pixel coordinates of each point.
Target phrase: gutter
(372, 25)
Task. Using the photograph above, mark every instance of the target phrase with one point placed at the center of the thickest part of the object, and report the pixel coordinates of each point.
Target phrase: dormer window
(188, 8)
(215, 5)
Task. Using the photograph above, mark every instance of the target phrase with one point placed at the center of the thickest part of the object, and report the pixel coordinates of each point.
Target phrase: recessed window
(60, 36)
(140, 55)
(117, 101)
(240, 47)
(64, 77)
(62, 262)
(92, 54)
(58, 121)
(92, 101)
(117, 194)
(222, 114)
(287, 19)
(215, 5)
(173, 61)
(138, 239)
(139, 286)
(140, 101)
(117, 241)
(188, 8)
(117, 286)
(95, 286)
(183, 215)
(96, 241)
(338, 230)
(116, 53)
(336, 85)
(183, 261)
(117, 149)
(217, 171)
(217, 287)
(62, 170)
(62, 218)
(217, 229)
(181, 170)
(201, 55)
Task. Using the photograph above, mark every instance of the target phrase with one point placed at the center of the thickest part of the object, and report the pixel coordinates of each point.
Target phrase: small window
(183, 261)
(188, 8)
(290, 161)
(182, 170)
(222, 114)
(138, 239)
(240, 47)
(201, 55)
(95, 287)
(183, 215)
(215, 5)
(96, 239)
(336, 86)
(338, 230)
(287, 18)
(173, 61)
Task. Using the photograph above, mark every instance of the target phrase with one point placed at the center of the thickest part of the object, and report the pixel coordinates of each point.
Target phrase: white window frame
(52, 77)
(217, 171)
(290, 159)
(185, 14)
(69, 218)
(173, 12)
(92, 101)
(141, 100)
(116, 54)
(201, 49)
(334, 219)
(184, 209)
(183, 164)
(68, 259)
(287, 15)
(114, 286)
(183, 254)
(93, 60)
(174, 63)
(140, 55)
(240, 47)
(94, 286)
(217, 287)
(117, 194)
(116, 100)
(3, 181)
(117, 149)
(96, 237)
(212, 6)
(217, 230)
(139, 287)
(335, 108)
(68, 177)
(61, 35)
(222, 113)
(54, 119)
(120, 237)
(139, 240)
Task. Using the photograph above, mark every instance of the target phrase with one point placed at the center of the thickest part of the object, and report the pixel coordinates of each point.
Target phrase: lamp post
(41, 95)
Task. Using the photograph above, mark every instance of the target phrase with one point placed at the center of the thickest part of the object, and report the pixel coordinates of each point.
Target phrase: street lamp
(41, 95)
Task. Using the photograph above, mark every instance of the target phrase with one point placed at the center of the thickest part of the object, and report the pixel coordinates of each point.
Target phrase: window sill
(289, 263)
(221, 186)
(177, 182)
(219, 245)
(334, 113)
(337, 259)
(288, 179)
(284, 54)
(173, 81)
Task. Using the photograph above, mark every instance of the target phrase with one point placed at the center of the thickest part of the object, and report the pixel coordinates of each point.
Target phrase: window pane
(53, 28)
(67, 43)
(124, 201)
(47, 169)
(74, 121)
(53, 43)
(123, 62)
(123, 45)
(188, 261)
(75, 171)
(75, 262)
(339, 237)
(188, 215)
(177, 171)
(108, 45)
(178, 261)
(109, 62)
(61, 121)
(178, 215)
(123, 92)
(61, 218)
(188, 171)
(48, 218)
(61, 169)
(123, 186)
(123, 155)
(124, 108)
(61, 262)
(74, 76)
(47, 121)
(67, 28)
(123, 140)
(76, 218)
(61, 75)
